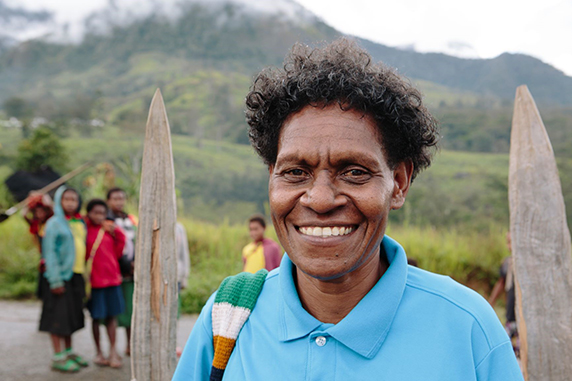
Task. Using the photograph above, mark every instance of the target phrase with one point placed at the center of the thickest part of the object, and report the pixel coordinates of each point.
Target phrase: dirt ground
(25, 353)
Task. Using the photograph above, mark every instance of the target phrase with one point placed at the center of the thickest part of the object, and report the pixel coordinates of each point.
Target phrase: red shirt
(105, 267)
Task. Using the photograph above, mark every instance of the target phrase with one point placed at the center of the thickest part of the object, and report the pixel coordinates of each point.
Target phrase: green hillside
(204, 67)
(221, 180)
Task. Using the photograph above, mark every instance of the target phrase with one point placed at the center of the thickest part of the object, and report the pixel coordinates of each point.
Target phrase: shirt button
(320, 341)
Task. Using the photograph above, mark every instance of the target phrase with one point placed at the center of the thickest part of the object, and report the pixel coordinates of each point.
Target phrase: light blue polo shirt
(412, 325)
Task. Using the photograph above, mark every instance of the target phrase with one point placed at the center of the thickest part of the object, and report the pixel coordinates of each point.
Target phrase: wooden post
(541, 248)
(153, 356)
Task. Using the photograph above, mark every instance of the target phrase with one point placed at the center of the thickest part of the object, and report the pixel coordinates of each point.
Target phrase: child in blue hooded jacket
(63, 248)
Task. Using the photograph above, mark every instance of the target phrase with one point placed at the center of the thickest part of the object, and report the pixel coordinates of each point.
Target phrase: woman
(343, 139)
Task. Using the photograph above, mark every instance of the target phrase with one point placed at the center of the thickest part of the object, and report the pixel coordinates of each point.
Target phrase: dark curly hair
(343, 73)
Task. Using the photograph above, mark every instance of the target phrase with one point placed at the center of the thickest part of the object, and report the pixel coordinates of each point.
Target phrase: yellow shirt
(79, 239)
(253, 255)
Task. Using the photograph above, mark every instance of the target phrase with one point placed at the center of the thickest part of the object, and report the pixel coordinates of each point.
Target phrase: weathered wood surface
(153, 356)
(541, 248)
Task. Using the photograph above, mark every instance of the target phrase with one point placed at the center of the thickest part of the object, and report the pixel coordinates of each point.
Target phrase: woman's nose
(322, 195)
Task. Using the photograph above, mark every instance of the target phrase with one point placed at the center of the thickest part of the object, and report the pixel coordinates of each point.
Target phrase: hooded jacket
(58, 248)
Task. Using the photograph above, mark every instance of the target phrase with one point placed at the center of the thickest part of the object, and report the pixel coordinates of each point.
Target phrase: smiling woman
(343, 139)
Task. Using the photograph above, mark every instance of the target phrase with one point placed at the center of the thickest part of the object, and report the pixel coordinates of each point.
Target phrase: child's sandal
(65, 365)
(78, 360)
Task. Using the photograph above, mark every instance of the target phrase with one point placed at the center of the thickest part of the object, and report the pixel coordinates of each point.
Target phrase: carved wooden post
(541, 248)
(155, 298)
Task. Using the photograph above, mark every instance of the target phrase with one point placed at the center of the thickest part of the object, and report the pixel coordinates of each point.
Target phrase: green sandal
(65, 365)
(78, 360)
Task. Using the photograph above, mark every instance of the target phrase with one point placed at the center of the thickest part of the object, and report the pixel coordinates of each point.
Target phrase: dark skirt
(62, 315)
(106, 302)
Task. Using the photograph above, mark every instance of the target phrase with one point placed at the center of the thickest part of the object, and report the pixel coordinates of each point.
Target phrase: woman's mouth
(326, 232)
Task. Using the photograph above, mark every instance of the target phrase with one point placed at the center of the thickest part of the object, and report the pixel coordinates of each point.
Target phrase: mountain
(498, 76)
(245, 34)
(203, 54)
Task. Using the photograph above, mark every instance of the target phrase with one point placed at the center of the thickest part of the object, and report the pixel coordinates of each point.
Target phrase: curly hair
(343, 73)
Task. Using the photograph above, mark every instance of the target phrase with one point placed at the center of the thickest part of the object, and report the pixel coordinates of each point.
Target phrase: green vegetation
(43, 148)
(470, 258)
(95, 97)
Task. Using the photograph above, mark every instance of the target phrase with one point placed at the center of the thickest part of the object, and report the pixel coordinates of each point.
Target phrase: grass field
(472, 259)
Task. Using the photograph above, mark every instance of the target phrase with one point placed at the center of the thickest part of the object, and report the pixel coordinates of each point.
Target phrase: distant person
(116, 200)
(105, 243)
(261, 253)
(183, 264)
(506, 284)
(183, 256)
(63, 287)
(36, 213)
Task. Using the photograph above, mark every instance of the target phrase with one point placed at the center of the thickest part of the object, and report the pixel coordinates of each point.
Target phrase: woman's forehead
(318, 133)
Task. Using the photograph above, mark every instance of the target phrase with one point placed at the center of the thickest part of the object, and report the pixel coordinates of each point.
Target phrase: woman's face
(331, 190)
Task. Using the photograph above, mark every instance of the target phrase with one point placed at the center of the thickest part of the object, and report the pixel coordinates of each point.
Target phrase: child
(63, 287)
(105, 243)
(116, 199)
(41, 209)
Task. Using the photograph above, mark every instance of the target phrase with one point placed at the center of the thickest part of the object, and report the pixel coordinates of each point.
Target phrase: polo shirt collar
(365, 328)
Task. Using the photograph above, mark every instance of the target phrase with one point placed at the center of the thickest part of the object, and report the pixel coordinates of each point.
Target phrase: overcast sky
(483, 29)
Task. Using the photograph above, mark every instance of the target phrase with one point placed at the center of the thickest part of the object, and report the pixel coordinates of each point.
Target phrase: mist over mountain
(245, 34)
(203, 56)
(16, 22)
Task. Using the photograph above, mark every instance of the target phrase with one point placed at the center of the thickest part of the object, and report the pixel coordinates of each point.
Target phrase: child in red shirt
(105, 243)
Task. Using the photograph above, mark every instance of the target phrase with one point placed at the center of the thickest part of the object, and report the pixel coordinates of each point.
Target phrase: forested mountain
(203, 55)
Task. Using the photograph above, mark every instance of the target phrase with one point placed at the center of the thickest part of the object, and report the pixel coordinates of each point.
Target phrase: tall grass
(472, 258)
(19, 260)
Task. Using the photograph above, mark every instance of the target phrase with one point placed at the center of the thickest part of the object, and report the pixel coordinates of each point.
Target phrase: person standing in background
(40, 207)
(105, 243)
(116, 200)
(183, 264)
(261, 253)
(183, 257)
(506, 284)
(63, 286)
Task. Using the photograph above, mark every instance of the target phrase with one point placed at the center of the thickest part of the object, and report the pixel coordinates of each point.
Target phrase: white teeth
(325, 231)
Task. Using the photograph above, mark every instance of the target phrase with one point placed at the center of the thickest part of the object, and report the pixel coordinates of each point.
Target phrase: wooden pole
(153, 356)
(541, 248)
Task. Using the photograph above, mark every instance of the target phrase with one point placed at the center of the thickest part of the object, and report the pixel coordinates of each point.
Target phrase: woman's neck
(331, 301)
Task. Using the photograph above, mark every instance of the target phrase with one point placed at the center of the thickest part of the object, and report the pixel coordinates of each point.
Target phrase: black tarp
(21, 182)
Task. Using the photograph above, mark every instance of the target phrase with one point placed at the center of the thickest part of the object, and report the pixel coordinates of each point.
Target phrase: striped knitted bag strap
(234, 301)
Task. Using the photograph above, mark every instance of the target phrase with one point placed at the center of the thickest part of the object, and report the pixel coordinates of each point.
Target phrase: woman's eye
(357, 172)
(356, 175)
(296, 172)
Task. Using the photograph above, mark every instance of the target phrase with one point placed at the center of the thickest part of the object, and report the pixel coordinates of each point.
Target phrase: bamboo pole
(153, 356)
(541, 248)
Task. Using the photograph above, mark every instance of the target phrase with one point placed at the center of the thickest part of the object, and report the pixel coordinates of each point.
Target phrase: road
(25, 353)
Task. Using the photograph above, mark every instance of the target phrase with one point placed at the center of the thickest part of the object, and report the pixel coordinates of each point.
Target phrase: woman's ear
(401, 182)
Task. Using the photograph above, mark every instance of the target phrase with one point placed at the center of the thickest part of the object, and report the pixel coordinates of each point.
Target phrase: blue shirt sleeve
(196, 361)
(499, 365)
